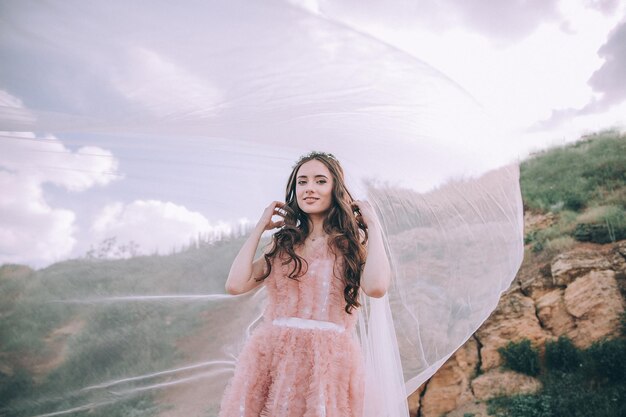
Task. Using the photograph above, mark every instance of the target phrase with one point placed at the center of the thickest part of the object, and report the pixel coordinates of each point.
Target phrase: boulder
(568, 266)
(499, 382)
(474, 408)
(513, 320)
(553, 314)
(450, 386)
(596, 303)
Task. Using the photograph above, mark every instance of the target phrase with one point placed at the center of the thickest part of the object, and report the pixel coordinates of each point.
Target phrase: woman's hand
(365, 213)
(274, 209)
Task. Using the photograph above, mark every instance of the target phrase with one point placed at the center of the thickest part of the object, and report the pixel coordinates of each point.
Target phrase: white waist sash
(307, 323)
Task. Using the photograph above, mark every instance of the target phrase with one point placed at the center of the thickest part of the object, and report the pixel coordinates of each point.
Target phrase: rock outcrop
(450, 386)
(568, 266)
(596, 304)
(515, 318)
(498, 382)
(579, 294)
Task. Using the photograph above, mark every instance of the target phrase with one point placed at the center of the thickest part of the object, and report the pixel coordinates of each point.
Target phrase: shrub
(521, 357)
(537, 247)
(20, 383)
(520, 406)
(530, 237)
(559, 244)
(573, 394)
(562, 355)
(602, 224)
(606, 359)
(595, 389)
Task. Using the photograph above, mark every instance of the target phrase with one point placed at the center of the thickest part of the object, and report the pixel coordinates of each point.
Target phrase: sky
(549, 71)
(533, 73)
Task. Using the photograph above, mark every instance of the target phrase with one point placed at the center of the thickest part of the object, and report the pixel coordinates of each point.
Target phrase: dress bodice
(316, 295)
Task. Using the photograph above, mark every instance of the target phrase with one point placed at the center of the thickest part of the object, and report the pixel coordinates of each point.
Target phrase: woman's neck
(316, 226)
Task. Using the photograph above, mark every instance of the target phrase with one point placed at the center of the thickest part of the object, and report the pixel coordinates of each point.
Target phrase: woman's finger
(280, 212)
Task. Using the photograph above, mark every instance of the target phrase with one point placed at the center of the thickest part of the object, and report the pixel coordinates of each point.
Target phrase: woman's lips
(311, 200)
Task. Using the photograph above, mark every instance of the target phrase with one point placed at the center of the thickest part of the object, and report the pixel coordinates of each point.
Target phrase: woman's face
(314, 187)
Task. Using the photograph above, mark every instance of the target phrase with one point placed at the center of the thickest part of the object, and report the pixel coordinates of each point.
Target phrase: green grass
(584, 185)
(576, 176)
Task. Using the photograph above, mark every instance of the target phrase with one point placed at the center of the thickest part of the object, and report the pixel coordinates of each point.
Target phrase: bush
(606, 359)
(559, 245)
(602, 224)
(20, 383)
(520, 406)
(595, 389)
(573, 394)
(521, 357)
(562, 355)
(555, 238)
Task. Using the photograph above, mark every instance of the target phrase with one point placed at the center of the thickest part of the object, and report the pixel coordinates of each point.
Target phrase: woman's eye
(304, 182)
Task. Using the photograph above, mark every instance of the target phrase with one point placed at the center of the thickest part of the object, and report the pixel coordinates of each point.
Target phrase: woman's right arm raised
(244, 270)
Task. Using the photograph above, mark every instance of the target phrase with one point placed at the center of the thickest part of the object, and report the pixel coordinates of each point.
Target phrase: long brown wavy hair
(347, 234)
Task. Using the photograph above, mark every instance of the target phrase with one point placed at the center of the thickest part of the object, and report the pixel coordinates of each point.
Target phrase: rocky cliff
(579, 293)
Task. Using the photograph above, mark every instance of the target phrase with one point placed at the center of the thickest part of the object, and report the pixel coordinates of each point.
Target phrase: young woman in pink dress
(304, 359)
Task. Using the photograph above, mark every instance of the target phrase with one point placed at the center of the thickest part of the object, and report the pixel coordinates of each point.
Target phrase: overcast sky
(542, 72)
(548, 70)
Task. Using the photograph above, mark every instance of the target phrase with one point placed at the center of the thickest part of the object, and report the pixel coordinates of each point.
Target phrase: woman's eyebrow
(318, 175)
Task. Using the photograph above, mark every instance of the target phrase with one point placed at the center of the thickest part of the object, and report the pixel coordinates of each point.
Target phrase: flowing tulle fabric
(111, 112)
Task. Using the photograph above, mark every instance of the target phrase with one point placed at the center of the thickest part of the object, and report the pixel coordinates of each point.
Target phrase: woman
(304, 359)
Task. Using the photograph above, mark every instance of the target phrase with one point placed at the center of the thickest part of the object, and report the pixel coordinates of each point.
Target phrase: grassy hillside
(583, 187)
(49, 349)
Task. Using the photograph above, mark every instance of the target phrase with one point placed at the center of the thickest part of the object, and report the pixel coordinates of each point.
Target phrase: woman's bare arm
(376, 274)
(244, 270)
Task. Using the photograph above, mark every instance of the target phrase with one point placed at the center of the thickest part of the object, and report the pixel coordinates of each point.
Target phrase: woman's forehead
(312, 168)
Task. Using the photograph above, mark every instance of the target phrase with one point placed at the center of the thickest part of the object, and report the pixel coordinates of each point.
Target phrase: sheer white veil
(156, 123)
(438, 298)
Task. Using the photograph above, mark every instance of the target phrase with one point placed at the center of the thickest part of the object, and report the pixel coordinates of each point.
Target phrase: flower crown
(313, 154)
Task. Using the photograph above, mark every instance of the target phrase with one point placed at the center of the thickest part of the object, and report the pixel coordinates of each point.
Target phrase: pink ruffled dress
(304, 359)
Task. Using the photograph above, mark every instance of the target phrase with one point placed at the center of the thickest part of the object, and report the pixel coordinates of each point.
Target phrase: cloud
(155, 226)
(35, 232)
(605, 6)
(508, 20)
(608, 82)
(500, 21)
(31, 230)
(610, 79)
(163, 87)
